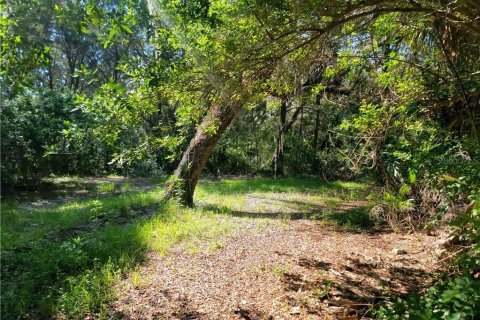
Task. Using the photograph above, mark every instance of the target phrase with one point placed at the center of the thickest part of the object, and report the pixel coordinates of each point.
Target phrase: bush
(30, 123)
(45, 131)
(458, 298)
(456, 295)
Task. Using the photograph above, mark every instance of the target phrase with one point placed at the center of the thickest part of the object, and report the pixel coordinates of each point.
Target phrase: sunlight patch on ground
(67, 258)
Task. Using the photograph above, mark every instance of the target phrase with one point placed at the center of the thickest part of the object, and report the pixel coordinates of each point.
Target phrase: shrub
(457, 298)
(455, 295)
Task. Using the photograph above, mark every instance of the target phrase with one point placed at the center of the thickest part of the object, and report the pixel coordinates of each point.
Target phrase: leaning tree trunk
(182, 184)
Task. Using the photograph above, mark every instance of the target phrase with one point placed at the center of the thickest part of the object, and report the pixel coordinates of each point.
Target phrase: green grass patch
(63, 262)
(24, 227)
(308, 185)
(106, 187)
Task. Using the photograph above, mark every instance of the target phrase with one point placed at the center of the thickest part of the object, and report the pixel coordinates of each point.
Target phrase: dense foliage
(337, 89)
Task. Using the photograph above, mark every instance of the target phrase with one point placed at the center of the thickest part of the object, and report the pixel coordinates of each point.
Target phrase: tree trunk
(184, 180)
(315, 162)
(315, 132)
(279, 154)
(278, 160)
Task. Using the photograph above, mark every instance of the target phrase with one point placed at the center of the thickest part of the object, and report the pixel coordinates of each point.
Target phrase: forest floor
(251, 249)
(302, 252)
(53, 192)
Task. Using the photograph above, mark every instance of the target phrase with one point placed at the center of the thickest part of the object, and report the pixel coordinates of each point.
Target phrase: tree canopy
(143, 77)
(385, 90)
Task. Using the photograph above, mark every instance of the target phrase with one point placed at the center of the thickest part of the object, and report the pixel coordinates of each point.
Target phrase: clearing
(251, 249)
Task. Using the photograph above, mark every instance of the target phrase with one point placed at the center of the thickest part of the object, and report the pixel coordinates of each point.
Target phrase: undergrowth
(456, 294)
(63, 262)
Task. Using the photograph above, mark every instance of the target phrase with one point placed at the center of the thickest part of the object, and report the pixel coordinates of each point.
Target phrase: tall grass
(63, 262)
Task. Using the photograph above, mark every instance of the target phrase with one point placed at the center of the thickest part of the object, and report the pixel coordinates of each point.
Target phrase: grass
(64, 261)
(125, 187)
(323, 290)
(291, 198)
(355, 219)
(106, 187)
(24, 227)
(308, 185)
(281, 270)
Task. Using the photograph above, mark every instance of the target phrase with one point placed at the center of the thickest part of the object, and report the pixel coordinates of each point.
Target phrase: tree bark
(184, 180)
(315, 131)
(279, 154)
(278, 161)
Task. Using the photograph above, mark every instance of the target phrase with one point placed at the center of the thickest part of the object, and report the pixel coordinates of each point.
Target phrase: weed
(215, 245)
(105, 187)
(125, 187)
(323, 291)
(139, 280)
(280, 270)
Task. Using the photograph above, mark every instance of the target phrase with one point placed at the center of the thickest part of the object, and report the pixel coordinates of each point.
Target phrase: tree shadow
(49, 193)
(71, 268)
(180, 309)
(352, 219)
(314, 264)
(354, 287)
(312, 185)
(282, 215)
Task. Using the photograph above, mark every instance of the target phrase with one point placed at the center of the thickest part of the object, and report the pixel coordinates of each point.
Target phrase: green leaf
(412, 175)
(127, 29)
(449, 178)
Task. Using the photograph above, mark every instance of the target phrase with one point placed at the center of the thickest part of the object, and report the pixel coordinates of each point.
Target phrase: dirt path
(54, 192)
(303, 270)
(288, 249)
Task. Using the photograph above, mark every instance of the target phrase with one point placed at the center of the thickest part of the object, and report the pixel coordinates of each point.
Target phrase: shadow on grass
(64, 260)
(51, 192)
(308, 184)
(350, 219)
(353, 219)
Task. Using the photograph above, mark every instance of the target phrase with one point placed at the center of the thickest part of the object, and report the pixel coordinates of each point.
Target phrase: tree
(300, 28)
(152, 85)
(71, 49)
